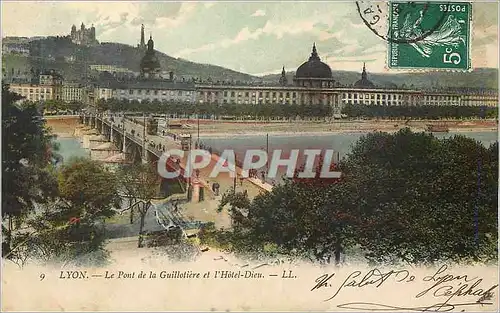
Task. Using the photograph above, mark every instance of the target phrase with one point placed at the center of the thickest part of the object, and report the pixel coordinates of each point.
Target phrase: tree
(75, 106)
(416, 196)
(301, 217)
(59, 207)
(26, 158)
(54, 237)
(402, 197)
(102, 105)
(71, 226)
(140, 182)
(91, 189)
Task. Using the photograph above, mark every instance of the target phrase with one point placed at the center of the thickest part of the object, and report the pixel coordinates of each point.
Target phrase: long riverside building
(313, 84)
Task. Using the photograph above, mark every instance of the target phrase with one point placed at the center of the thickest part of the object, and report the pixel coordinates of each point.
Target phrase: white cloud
(376, 48)
(185, 13)
(259, 12)
(319, 25)
(375, 62)
(245, 34)
(207, 32)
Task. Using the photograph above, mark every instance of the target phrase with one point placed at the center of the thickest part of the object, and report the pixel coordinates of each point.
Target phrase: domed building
(364, 82)
(314, 73)
(150, 66)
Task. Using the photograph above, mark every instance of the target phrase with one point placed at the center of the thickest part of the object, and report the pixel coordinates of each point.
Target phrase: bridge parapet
(132, 130)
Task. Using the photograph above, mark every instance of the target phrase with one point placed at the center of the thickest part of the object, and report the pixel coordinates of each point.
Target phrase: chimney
(171, 75)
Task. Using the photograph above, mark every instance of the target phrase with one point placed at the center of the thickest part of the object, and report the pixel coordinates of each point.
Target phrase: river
(71, 147)
(338, 142)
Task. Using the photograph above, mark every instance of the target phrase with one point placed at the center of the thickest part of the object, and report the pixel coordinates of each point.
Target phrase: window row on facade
(239, 94)
(24, 91)
(153, 92)
(252, 96)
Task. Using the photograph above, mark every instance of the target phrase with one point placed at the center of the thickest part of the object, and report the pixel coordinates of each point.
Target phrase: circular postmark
(377, 16)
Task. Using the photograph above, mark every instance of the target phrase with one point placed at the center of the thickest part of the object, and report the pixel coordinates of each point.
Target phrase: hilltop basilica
(83, 36)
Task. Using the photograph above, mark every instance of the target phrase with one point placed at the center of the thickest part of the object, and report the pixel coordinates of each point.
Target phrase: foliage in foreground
(69, 228)
(49, 213)
(140, 184)
(403, 197)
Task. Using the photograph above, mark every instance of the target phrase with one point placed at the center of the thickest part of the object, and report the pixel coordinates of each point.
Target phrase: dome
(150, 62)
(364, 82)
(314, 68)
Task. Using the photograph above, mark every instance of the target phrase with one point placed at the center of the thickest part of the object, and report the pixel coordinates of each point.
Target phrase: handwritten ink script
(449, 290)
(275, 262)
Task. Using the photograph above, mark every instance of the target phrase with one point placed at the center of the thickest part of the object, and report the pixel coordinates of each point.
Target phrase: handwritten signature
(442, 285)
(374, 277)
(466, 286)
(438, 307)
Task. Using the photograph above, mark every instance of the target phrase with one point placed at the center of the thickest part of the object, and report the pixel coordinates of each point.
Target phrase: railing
(158, 149)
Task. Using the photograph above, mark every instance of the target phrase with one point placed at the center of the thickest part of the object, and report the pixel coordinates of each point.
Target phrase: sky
(251, 37)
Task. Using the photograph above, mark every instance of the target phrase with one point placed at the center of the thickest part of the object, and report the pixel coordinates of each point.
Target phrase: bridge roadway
(157, 144)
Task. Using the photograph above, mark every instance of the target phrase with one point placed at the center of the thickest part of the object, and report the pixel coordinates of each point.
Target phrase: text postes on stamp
(430, 35)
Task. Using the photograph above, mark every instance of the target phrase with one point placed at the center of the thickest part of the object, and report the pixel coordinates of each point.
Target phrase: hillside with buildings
(79, 55)
(77, 68)
(75, 61)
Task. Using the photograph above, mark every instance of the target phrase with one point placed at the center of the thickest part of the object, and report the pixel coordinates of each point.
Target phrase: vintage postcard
(250, 156)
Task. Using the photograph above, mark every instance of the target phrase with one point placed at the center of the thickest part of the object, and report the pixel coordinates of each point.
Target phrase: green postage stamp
(429, 35)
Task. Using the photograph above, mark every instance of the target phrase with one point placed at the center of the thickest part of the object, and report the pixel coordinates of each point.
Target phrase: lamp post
(188, 165)
(198, 140)
(234, 181)
(166, 123)
(267, 152)
(144, 152)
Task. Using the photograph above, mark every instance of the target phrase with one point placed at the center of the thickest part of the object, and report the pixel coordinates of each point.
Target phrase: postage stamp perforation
(431, 69)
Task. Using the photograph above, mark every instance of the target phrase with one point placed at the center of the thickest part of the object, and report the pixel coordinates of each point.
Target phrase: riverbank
(227, 129)
(64, 127)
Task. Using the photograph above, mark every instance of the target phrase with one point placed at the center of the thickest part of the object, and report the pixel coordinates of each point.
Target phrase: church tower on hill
(142, 45)
(84, 36)
(150, 66)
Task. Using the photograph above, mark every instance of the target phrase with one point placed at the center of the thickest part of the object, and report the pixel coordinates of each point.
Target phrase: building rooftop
(314, 68)
(364, 82)
(146, 84)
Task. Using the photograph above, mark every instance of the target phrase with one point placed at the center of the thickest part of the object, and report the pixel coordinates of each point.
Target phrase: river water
(71, 147)
(338, 142)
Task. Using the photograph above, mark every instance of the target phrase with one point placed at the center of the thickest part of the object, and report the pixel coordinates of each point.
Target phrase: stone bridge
(124, 138)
